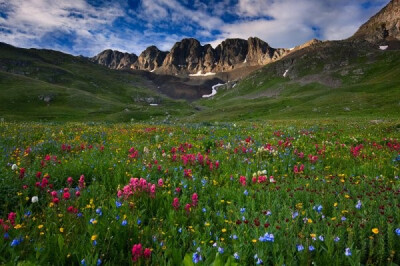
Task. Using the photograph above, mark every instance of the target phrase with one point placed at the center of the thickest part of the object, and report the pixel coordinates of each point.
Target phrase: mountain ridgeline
(190, 57)
(383, 27)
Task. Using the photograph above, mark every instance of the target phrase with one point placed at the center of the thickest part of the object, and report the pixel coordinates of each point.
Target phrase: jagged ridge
(189, 57)
(385, 25)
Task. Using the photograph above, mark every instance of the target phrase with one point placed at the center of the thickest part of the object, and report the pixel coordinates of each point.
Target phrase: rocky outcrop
(150, 59)
(260, 53)
(115, 59)
(385, 25)
(230, 53)
(187, 55)
(190, 57)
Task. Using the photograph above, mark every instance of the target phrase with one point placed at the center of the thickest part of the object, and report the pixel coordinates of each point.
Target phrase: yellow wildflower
(18, 226)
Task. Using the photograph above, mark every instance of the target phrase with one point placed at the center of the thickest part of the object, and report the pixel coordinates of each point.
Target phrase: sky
(87, 27)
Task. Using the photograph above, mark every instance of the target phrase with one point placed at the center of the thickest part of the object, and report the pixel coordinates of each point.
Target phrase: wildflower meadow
(279, 192)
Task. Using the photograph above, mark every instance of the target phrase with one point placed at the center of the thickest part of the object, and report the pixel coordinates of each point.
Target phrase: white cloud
(34, 22)
(293, 20)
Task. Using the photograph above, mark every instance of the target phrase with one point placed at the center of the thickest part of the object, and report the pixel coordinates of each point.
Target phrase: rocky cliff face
(385, 25)
(150, 59)
(186, 55)
(190, 57)
(115, 59)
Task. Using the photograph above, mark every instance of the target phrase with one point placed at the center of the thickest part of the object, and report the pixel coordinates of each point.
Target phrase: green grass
(81, 90)
(265, 94)
(331, 80)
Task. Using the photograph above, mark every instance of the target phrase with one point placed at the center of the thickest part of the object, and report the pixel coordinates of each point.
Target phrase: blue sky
(87, 27)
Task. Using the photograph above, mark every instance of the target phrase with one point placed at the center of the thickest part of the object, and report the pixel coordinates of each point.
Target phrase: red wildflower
(175, 203)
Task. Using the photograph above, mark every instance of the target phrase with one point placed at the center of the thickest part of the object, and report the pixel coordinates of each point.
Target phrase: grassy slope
(330, 80)
(80, 90)
(366, 84)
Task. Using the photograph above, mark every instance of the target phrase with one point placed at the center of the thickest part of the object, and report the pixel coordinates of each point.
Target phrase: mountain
(188, 56)
(115, 59)
(150, 59)
(384, 26)
(357, 77)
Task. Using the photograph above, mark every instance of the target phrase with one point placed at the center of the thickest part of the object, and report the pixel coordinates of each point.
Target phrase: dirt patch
(269, 93)
(324, 79)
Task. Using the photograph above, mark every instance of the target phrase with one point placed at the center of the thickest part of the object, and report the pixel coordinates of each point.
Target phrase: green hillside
(327, 80)
(49, 85)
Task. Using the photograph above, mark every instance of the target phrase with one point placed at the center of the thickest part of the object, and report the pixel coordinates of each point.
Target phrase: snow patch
(245, 61)
(214, 90)
(383, 47)
(199, 74)
(290, 49)
(285, 74)
(152, 70)
(153, 104)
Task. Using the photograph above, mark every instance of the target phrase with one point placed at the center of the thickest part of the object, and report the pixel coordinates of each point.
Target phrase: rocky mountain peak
(150, 59)
(385, 25)
(115, 59)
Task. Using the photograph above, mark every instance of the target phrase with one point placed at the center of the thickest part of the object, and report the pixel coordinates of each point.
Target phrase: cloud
(293, 20)
(82, 27)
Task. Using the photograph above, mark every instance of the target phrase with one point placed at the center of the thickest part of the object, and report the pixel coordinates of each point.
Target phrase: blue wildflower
(16, 241)
(344, 218)
(246, 192)
(295, 214)
(235, 237)
(311, 248)
(139, 222)
(397, 231)
(321, 238)
(347, 252)
(98, 262)
(242, 210)
(300, 248)
(259, 261)
(318, 208)
(204, 210)
(83, 262)
(94, 243)
(358, 205)
(99, 212)
(336, 239)
(124, 222)
(6, 235)
(196, 258)
(220, 250)
(118, 204)
(236, 256)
